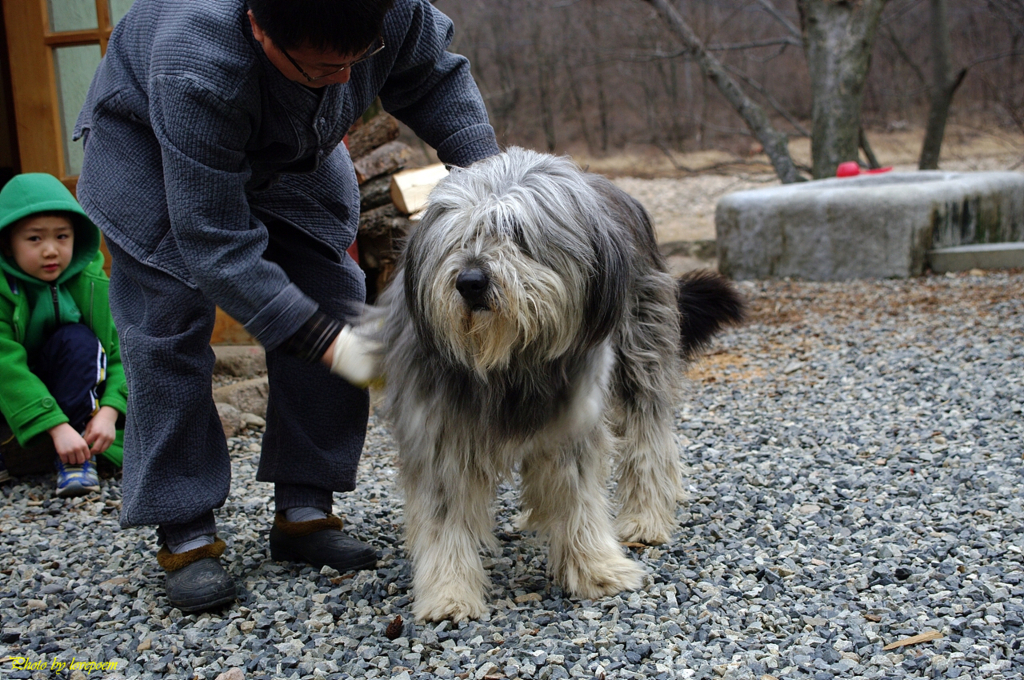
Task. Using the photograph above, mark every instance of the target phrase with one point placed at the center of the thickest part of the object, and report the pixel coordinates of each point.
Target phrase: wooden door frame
(7, 115)
(30, 45)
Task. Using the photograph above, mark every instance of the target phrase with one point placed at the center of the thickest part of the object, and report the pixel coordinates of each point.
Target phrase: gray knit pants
(176, 465)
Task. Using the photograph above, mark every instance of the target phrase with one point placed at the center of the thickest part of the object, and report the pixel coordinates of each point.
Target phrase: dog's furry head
(517, 258)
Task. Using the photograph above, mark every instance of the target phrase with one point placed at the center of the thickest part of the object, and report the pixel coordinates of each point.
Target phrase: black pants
(73, 366)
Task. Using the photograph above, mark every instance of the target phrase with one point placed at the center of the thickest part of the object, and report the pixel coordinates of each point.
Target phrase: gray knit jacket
(193, 139)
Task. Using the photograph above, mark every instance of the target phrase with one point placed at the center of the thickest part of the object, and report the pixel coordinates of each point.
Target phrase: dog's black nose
(472, 285)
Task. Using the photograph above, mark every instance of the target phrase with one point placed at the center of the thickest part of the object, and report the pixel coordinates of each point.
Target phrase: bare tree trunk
(702, 120)
(594, 24)
(503, 97)
(941, 89)
(547, 106)
(678, 135)
(838, 37)
(670, 89)
(545, 88)
(775, 144)
(581, 109)
(602, 108)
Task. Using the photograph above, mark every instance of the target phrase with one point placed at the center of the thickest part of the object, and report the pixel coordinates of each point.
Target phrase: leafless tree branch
(993, 57)
(902, 52)
(869, 153)
(731, 164)
(771, 101)
(1016, 21)
(781, 18)
(756, 43)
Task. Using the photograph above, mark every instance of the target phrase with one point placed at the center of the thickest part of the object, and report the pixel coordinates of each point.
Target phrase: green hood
(37, 192)
(51, 304)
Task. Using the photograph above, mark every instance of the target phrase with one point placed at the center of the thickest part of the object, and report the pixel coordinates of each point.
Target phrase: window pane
(74, 68)
(118, 8)
(72, 15)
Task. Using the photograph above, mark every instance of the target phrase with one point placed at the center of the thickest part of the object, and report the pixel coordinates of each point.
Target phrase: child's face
(42, 245)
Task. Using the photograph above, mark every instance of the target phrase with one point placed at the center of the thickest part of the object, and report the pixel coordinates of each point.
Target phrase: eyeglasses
(375, 48)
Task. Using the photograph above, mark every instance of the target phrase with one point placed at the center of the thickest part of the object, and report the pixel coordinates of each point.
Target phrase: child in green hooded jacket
(60, 365)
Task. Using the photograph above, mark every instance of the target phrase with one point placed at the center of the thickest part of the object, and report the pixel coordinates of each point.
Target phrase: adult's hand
(354, 357)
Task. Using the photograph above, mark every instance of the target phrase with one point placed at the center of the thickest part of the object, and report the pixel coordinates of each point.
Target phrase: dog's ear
(410, 266)
(608, 288)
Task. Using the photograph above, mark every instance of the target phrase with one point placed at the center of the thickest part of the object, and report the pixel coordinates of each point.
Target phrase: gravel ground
(854, 479)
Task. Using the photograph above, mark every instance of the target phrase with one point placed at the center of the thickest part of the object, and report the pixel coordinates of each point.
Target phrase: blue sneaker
(76, 480)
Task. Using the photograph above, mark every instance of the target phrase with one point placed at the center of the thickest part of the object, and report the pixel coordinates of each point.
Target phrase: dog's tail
(707, 302)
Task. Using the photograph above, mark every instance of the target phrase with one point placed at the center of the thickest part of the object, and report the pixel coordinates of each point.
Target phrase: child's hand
(100, 432)
(70, 445)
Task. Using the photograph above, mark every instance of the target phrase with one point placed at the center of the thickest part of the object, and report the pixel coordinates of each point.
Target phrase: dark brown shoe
(319, 542)
(196, 581)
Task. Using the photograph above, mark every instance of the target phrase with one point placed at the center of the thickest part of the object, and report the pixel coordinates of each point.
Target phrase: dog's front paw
(650, 528)
(609, 575)
(448, 602)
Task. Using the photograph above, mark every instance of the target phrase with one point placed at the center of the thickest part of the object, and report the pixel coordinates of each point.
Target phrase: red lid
(848, 169)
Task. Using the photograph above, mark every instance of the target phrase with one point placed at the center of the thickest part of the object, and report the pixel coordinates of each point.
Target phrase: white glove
(357, 358)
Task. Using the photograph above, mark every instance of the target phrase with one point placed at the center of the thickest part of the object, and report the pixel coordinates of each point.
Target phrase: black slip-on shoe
(196, 581)
(319, 542)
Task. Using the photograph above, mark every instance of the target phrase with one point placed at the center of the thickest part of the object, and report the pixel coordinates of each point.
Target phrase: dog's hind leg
(644, 389)
(564, 494)
(448, 520)
(648, 476)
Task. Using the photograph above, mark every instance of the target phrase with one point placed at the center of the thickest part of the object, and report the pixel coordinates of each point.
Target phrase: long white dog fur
(532, 328)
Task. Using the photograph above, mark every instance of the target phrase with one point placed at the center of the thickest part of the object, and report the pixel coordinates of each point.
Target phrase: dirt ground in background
(962, 144)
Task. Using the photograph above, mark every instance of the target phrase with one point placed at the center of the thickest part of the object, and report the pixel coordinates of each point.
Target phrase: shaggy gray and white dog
(532, 328)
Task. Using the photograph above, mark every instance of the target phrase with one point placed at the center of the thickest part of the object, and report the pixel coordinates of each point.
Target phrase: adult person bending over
(213, 165)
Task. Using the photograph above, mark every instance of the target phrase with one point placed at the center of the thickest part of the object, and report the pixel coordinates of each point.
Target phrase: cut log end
(411, 188)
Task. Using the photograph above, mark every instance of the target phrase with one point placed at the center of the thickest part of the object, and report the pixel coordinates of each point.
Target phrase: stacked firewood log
(377, 155)
(388, 196)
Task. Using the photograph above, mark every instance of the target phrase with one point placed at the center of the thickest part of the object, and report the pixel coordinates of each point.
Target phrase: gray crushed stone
(854, 479)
